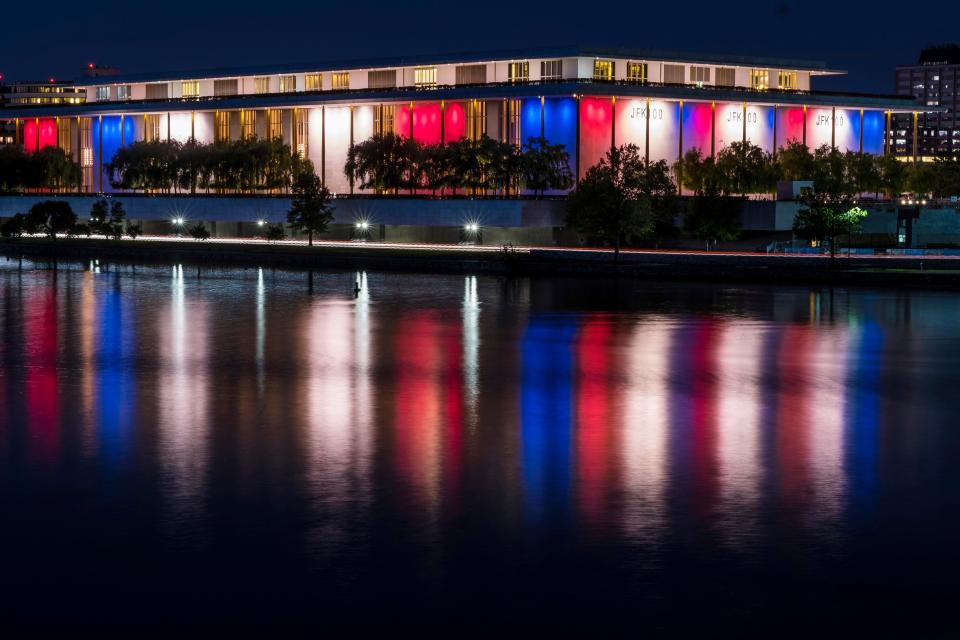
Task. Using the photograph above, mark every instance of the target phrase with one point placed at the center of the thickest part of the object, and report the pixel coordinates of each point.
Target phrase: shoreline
(903, 272)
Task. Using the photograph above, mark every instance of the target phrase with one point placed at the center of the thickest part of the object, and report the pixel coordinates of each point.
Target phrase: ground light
(261, 222)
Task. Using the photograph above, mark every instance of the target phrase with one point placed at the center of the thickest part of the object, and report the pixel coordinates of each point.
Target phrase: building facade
(932, 81)
(585, 99)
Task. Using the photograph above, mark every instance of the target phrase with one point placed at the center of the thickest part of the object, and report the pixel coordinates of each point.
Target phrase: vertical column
(915, 154)
(36, 130)
(351, 144)
(886, 133)
(680, 152)
(833, 128)
(168, 126)
(411, 120)
(745, 124)
(323, 145)
(78, 151)
(861, 131)
(193, 129)
(776, 109)
(99, 169)
(804, 124)
(576, 169)
(16, 131)
(542, 129)
(646, 141)
(443, 113)
(122, 140)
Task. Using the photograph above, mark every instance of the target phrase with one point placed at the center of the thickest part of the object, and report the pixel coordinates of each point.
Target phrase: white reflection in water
(338, 396)
(88, 347)
(828, 372)
(739, 356)
(646, 419)
(183, 402)
(261, 329)
(471, 345)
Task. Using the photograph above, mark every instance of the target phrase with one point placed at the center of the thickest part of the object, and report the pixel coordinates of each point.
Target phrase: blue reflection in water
(113, 387)
(863, 423)
(546, 412)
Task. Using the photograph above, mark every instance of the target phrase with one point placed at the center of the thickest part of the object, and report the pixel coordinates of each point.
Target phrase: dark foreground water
(234, 448)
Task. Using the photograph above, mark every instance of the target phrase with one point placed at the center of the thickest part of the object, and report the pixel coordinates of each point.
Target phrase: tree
(863, 171)
(199, 231)
(51, 217)
(795, 162)
(117, 215)
(382, 163)
(310, 210)
(713, 217)
(275, 232)
(134, 230)
(826, 215)
(620, 197)
(545, 166)
(893, 175)
(743, 168)
(13, 227)
(98, 217)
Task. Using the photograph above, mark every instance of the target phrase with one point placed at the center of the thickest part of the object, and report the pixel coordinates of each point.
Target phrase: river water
(264, 447)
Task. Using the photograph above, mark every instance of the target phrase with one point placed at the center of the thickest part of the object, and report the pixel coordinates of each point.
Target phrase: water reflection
(390, 423)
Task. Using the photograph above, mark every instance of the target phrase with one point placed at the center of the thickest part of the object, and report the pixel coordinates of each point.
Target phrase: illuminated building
(933, 83)
(586, 99)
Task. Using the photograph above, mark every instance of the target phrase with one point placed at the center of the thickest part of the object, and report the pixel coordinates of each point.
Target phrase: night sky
(868, 39)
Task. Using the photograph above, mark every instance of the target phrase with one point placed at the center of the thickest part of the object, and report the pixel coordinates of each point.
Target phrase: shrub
(199, 232)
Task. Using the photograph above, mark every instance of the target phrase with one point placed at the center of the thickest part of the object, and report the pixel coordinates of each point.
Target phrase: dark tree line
(49, 169)
(240, 166)
(390, 163)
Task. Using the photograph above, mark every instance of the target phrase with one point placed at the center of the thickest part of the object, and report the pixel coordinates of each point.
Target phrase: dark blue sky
(865, 38)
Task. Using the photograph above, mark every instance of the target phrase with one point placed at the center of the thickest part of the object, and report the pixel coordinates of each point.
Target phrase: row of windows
(603, 70)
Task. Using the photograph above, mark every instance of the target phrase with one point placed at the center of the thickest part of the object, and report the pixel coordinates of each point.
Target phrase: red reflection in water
(42, 383)
(793, 417)
(418, 402)
(703, 416)
(594, 416)
(453, 405)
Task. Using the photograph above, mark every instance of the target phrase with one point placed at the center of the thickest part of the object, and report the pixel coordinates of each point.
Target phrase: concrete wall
(414, 212)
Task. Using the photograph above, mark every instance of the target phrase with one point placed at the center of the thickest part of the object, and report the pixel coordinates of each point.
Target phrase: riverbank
(905, 271)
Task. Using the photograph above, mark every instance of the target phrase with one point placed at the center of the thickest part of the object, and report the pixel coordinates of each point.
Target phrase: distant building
(38, 92)
(933, 82)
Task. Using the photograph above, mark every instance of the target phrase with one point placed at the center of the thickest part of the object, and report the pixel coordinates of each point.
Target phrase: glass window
(551, 69)
(124, 92)
(222, 126)
(759, 79)
(225, 87)
(425, 77)
(726, 77)
(699, 75)
(471, 74)
(341, 80)
(673, 73)
(157, 91)
(103, 93)
(288, 84)
(518, 72)
(190, 89)
(603, 69)
(248, 123)
(637, 72)
(313, 82)
(383, 79)
(261, 85)
(274, 124)
(787, 79)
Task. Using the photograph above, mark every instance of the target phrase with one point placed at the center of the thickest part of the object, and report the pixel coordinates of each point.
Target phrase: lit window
(103, 93)
(603, 70)
(222, 125)
(637, 72)
(787, 79)
(288, 84)
(248, 123)
(274, 124)
(425, 77)
(190, 89)
(341, 80)
(313, 82)
(518, 72)
(551, 69)
(699, 75)
(124, 92)
(261, 85)
(759, 79)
